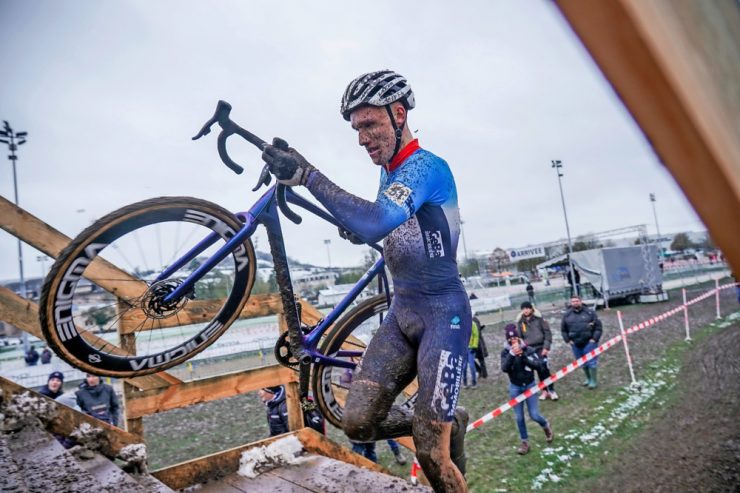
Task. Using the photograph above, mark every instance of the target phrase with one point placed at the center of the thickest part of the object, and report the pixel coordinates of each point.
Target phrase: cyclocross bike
(162, 255)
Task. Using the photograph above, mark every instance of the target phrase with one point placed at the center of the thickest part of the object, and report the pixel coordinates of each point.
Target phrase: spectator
(574, 291)
(518, 360)
(469, 362)
(581, 328)
(32, 357)
(482, 353)
(366, 450)
(535, 331)
(530, 292)
(277, 412)
(46, 356)
(98, 399)
(53, 387)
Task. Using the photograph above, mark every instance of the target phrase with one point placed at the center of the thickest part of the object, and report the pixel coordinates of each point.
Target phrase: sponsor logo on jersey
(455, 322)
(447, 386)
(433, 240)
(398, 193)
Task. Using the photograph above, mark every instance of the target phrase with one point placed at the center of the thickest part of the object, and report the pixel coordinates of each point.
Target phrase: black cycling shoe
(457, 438)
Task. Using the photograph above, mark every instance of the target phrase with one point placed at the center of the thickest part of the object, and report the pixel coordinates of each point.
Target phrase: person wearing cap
(535, 331)
(426, 332)
(53, 387)
(520, 362)
(277, 412)
(581, 329)
(98, 399)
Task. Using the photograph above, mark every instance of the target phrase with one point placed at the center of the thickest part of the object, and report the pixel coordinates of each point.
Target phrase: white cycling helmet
(379, 88)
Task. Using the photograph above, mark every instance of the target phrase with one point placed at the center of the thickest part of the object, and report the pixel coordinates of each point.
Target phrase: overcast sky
(111, 92)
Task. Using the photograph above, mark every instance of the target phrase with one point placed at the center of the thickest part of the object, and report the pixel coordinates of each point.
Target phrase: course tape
(588, 357)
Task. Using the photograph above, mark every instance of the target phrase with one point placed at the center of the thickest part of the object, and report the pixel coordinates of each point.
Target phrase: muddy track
(695, 444)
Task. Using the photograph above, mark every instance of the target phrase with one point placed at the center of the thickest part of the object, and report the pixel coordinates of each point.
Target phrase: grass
(590, 426)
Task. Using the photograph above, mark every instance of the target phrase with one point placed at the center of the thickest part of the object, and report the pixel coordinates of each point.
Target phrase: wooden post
(128, 343)
(292, 394)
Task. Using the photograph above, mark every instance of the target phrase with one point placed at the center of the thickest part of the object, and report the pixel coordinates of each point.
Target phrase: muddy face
(375, 132)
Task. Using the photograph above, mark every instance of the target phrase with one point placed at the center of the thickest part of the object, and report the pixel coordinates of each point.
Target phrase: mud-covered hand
(347, 235)
(288, 166)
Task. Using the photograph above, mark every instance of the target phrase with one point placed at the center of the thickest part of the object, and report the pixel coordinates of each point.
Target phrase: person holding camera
(520, 362)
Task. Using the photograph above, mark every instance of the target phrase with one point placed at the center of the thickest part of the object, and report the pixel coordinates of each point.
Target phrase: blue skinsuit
(428, 324)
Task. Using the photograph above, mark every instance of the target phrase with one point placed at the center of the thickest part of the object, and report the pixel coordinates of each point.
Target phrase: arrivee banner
(517, 254)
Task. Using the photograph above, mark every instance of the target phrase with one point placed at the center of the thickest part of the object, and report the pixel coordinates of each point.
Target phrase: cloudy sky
(111, 92)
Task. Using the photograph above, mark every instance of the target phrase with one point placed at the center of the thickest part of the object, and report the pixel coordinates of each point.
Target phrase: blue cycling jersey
(415, 211)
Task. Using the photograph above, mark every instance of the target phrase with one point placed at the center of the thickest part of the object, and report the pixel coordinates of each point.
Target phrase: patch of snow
(280, 452)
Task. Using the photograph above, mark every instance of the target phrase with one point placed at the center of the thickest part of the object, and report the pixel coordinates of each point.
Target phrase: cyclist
(427, 328)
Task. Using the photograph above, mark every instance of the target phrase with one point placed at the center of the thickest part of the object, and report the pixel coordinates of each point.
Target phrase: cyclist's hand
(343, 233)
(288, 166)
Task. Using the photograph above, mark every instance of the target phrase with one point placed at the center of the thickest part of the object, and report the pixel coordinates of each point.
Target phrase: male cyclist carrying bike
(427, 328)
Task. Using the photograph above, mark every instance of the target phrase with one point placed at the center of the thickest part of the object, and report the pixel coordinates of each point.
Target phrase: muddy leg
(432, 440)
(370, 414)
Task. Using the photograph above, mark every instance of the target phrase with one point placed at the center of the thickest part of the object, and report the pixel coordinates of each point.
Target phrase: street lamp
(328, 251)
(8, 136)
(657, 228)
(462, 233)
(557, 165)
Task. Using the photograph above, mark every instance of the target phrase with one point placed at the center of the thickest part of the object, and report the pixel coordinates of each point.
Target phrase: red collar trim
(403, 154)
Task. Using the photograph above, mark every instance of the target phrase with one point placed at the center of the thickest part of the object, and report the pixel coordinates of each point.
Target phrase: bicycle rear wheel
(115, 322)
(347, 341)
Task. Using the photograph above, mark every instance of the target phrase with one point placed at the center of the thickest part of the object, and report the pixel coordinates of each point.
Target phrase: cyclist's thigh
(442, 350)
(390, 358)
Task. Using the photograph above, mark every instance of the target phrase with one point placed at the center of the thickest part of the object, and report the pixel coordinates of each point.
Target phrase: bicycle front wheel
(347, 341)
(103, 306)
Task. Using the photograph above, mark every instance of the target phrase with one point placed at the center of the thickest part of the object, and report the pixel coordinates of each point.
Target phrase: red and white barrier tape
(588, 357)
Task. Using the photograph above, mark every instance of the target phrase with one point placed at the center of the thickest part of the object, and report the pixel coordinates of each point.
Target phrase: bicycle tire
(88, 350)
(328, 390)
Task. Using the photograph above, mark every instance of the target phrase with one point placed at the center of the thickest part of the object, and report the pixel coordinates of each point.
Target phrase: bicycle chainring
(283, 354)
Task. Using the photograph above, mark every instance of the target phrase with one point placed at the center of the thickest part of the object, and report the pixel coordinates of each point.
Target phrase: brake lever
(264, 179)
(283, 204)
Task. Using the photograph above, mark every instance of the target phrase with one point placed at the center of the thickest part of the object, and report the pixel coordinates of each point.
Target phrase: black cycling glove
(288, 166)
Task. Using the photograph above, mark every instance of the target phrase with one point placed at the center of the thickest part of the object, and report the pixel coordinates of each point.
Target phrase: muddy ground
(692, 445)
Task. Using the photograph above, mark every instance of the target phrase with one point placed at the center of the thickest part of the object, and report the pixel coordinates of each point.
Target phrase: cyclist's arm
(372, 221)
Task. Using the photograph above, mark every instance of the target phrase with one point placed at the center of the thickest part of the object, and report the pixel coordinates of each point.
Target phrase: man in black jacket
(277, 412)
(581, 328)
(98, 399)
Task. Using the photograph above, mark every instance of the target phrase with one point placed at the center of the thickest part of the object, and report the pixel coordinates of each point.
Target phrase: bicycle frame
(266, 212)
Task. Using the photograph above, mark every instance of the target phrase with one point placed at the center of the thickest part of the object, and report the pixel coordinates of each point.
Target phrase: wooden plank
(43, 237)
(67, 420)
(676, 66)
(316, 443)
(24, 314)
(225, 463)
(207, 389)
(199, 311)
(207, 468)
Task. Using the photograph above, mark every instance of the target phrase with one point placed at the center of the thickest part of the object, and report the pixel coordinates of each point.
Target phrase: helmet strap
(398, 131)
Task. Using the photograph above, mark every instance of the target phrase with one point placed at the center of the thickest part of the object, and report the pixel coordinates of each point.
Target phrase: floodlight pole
(328, 252)
(657, 228)
(557, 165)
(8, 136)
